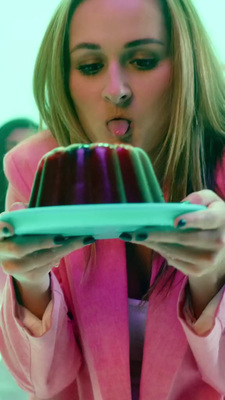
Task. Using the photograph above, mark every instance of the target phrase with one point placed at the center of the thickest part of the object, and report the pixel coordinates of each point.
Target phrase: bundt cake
(96, 173)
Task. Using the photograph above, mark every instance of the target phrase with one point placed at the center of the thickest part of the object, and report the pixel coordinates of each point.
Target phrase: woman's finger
(190, 255)
(35, 274)
(6, 230)
(209, 239)
(211, 218)
(39, 258)
(18, 247)
(187, 268)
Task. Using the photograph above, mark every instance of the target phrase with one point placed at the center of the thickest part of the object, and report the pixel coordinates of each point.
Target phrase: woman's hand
(199, 254)
(195, 253)
(29, 259)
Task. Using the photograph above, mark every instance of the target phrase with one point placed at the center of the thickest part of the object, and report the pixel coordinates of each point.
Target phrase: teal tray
(103, 221)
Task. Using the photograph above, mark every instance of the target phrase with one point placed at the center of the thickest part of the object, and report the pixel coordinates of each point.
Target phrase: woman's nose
(116, 90)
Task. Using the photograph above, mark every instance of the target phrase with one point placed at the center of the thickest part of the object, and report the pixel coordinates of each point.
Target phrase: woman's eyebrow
(139, 42)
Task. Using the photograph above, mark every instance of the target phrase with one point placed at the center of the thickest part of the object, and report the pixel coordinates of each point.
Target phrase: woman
(65, 337)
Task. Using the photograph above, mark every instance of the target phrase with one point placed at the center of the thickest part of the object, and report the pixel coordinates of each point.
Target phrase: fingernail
(127, 237)
(59, 239)
(89, 240)
(6, 232)
(141, 237)
(181, 223)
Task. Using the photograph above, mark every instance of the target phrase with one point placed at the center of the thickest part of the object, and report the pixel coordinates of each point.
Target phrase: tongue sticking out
(118, 127)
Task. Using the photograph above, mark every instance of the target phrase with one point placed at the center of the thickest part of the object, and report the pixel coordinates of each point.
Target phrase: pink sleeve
(18, 189)
(206, 320)
(208, 348)
(35, 326)
(30, 357)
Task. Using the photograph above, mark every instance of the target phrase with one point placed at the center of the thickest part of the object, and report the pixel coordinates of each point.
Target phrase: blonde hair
(197, 100)
(197, 94)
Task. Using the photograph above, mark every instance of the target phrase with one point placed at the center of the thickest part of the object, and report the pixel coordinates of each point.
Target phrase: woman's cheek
(158, 83)
(82, 90)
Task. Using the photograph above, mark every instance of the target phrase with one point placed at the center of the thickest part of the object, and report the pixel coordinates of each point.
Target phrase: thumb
(18, 206)
(203, 197)
(14, 207)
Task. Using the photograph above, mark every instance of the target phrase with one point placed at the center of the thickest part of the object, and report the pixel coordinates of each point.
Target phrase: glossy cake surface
(96, 173)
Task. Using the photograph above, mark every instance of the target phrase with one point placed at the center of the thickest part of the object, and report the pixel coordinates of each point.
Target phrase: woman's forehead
(105, 20)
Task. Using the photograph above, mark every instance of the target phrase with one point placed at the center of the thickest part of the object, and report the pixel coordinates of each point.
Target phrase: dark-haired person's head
(12, 133)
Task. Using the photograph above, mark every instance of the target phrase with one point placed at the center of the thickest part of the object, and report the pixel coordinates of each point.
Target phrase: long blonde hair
(197, 95)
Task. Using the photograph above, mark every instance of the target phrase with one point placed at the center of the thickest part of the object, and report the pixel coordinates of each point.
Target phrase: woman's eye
(141, 63)
(145, 63)
(90, 69)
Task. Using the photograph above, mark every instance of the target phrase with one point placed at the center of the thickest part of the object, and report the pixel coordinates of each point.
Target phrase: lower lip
(125, 137)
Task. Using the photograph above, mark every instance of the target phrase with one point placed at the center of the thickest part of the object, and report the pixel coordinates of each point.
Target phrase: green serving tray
(103, 221)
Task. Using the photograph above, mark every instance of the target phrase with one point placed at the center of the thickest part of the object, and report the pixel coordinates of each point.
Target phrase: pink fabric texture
(82, 349)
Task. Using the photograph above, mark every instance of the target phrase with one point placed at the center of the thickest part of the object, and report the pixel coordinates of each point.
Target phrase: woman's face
(111, 66)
